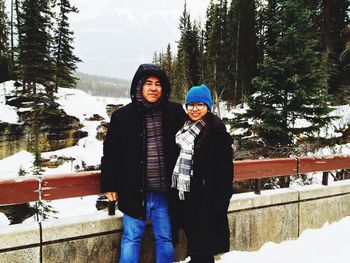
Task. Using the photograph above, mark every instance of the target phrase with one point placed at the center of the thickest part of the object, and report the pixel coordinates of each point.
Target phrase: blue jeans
(133, 230)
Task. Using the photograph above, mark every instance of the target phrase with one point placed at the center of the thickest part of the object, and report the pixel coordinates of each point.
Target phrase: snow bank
(328, 244)
(79, 104)
(343, 112)
(7, 113)
(3, 220)
(10, 166)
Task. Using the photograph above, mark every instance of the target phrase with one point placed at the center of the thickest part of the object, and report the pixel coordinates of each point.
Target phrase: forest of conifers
(242, 42)
(285, 60)
(36, 44)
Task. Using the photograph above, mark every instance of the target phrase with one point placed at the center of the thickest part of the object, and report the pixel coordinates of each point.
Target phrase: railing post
(325, 178)
(257, 186)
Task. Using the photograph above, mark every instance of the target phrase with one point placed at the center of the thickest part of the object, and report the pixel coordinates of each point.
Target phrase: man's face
(152, 89)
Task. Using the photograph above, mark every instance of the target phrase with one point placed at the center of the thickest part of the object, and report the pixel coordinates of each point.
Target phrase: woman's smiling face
(197, 110)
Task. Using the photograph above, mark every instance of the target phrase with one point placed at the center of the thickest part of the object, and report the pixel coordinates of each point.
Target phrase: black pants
(202, 259)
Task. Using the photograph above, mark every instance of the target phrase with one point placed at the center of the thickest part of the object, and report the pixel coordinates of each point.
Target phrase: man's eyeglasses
(198, 106)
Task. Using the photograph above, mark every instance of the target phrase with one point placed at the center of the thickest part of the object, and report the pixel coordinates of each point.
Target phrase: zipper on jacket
(143, 135)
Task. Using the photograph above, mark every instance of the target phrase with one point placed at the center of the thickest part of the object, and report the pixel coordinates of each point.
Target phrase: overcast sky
(113, 37)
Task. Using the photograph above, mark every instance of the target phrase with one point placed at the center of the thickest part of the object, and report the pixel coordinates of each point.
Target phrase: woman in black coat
(202, 179)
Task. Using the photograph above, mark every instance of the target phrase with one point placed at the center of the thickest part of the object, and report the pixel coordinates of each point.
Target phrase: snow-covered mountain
(119, 35)
(114, 37)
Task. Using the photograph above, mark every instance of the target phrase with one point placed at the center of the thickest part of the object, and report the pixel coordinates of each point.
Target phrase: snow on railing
(52, 187)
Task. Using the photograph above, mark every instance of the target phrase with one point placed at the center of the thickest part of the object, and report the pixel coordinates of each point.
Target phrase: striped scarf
(183, 169)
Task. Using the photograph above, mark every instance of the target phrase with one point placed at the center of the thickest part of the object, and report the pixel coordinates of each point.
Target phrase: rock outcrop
(51, 127)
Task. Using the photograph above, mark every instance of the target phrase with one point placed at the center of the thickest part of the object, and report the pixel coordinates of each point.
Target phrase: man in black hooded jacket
(139, 155)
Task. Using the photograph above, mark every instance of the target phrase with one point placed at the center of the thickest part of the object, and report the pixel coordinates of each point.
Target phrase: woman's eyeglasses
(198, 106)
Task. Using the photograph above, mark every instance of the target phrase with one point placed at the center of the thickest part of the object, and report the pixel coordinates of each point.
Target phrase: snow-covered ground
(75, 103)
(325, 245)
(342, 114)
(7, 113)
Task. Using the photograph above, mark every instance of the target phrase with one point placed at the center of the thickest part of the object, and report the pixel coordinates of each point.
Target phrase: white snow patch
(328, 244)
(115, 101)
(79, 104)
(7, 113)
(3, 220)
(10, 166)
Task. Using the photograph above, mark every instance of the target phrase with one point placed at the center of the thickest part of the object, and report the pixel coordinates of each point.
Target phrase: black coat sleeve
(180, 116)
(181, 112)
(110, 161)
(223, 158)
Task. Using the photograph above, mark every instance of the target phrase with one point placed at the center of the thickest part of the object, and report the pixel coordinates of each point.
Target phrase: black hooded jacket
(203, 213)
(124, 152)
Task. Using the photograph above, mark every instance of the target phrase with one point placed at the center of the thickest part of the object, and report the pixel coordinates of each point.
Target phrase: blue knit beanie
(199, 94)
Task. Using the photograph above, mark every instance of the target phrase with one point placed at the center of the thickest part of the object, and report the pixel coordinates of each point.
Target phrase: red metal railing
(51, 187)
(257, 169)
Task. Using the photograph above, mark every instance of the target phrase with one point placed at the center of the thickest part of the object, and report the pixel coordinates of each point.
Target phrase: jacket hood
(147, 70)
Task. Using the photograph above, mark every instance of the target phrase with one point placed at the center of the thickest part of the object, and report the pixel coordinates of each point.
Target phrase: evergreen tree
(231, 48)
(194, 54)
(248, 51)
(103, 86)
(344, 60)
(201, 55)
(214, 40)
(4, 49)
(272, 14)
(43, 208)
(182, 81)
(12, 35)
(167, 64)
(16, 8)
(3, 30)
(36, 65)
(292, 81)
(66, 61)
(177, 85)
(21, 171)
(262, 20)
(15, 36)
(155, 59)
(187, 69)
(334, 18)
(37, 170)
(240, 50)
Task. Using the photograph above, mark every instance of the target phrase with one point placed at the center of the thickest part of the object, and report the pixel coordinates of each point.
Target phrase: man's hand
(112, 196)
